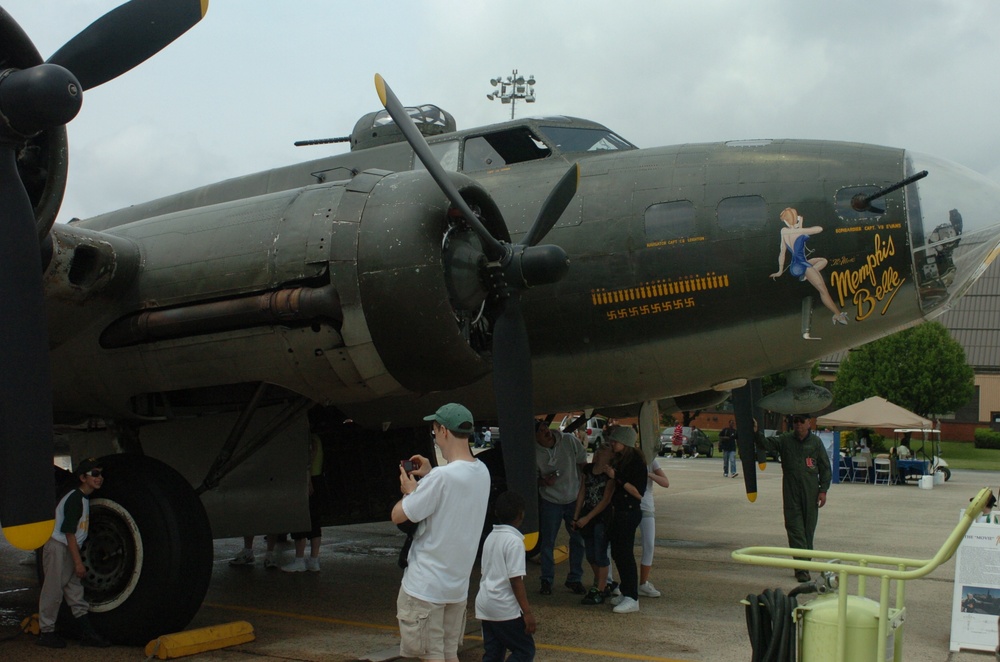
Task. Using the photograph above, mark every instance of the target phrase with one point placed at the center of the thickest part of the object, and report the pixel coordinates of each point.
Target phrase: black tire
(946, 471)
(142, 586)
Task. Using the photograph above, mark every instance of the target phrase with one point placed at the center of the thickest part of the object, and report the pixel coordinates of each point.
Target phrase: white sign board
(976, 603)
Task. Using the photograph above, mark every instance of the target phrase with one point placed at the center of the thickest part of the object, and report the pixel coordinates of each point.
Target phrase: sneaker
(627, 606)
(616, 600)
(298, 565)
(593, 597)
(736, 474)
(245, 557)
(312, 564)
(546, 588)
(50, 640)
(647, 589)
(612, 589)
(576, 587)
(270, 563)
(725, 475)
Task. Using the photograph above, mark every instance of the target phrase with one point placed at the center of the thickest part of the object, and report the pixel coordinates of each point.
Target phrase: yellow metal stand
(886, 568)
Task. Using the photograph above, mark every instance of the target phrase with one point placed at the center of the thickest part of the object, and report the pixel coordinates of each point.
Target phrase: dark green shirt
(804, 461)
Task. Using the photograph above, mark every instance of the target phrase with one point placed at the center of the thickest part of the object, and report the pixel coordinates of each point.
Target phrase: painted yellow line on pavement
(395, 629)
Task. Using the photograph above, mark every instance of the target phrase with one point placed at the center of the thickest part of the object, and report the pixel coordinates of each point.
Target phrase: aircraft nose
(954, 223)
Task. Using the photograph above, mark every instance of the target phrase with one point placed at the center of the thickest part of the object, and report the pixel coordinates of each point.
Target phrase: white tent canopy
(875, 412)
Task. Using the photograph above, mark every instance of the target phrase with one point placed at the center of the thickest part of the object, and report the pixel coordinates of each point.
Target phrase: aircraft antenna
(322, 141)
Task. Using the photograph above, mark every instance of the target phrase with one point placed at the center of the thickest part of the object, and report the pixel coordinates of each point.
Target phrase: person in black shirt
(629, 473)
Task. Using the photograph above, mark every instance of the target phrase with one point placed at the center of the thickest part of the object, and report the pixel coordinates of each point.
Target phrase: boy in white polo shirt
(502, 603)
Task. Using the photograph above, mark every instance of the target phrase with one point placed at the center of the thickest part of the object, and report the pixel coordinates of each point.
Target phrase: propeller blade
(553, 207)
(743, 408)
(513, 388)
(27, 499)
(125, 37)
(494, 249)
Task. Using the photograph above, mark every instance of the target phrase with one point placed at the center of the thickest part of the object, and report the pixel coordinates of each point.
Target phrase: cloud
(232, 95)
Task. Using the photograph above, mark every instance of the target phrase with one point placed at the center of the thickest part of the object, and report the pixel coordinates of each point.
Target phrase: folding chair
(882, 470)
(846, 469)
(862, 463)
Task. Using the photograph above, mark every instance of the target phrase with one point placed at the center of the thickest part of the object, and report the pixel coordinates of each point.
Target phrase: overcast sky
(233, 94)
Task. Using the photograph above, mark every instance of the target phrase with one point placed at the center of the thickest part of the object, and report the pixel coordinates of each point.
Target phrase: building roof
(974, 321)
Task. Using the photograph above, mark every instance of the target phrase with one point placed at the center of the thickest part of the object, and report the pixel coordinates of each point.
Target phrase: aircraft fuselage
(669, 289)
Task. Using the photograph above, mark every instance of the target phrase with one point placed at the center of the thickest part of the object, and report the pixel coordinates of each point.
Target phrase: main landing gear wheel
(149, 551)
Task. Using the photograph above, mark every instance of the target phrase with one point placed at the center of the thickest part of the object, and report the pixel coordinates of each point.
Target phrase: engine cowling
(420, 282)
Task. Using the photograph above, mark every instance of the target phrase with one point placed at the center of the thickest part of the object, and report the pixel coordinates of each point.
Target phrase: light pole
(513, 88)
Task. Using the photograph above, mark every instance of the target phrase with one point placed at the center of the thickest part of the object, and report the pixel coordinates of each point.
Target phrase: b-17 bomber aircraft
(197, 341)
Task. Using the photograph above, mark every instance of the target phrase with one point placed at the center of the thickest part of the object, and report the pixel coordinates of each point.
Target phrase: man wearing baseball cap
(449, 504)
(62, 562)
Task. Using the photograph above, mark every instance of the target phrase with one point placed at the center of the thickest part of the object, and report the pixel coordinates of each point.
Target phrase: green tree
(921, 368)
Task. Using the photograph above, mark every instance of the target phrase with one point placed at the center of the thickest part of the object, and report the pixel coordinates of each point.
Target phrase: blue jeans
(549, 515)
(501, 636)
(596, 544)
(729, 462)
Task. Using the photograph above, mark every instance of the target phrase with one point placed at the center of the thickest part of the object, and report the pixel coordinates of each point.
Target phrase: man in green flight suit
(806, 474)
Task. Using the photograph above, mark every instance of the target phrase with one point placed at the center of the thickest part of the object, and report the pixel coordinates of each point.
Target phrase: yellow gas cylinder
(819, 630)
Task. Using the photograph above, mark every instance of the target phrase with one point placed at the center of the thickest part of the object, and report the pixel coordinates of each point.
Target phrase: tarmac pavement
(347, 611)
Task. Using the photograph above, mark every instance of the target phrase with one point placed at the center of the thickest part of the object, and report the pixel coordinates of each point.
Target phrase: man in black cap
(805, 479)
(449, 503)
(62, 562)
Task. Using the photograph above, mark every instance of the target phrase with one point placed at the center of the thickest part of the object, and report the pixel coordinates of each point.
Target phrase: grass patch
(965, 455)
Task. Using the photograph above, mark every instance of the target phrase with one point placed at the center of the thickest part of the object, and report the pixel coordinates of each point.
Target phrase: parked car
(692, 440)
(594, 427)
(772, 455)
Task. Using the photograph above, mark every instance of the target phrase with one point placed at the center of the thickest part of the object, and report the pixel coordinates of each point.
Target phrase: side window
(480, 155)
(849, 213)
(741, 212)
(669, 223)
(494, 150)
(446, 153)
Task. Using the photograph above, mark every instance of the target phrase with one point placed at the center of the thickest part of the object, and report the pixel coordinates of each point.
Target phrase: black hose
(771, 626)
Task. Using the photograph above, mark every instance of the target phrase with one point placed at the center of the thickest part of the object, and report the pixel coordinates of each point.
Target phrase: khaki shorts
(428, 630)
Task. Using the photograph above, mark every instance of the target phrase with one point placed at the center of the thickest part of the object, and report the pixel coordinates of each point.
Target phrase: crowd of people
(601, 503)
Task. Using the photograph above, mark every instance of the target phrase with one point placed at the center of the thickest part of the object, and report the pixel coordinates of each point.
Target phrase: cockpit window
(494, 150)
(446, 153)
(579, 139)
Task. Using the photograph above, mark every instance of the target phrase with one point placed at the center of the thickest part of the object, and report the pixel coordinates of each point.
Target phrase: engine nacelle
(419, 281)
(342, 291)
